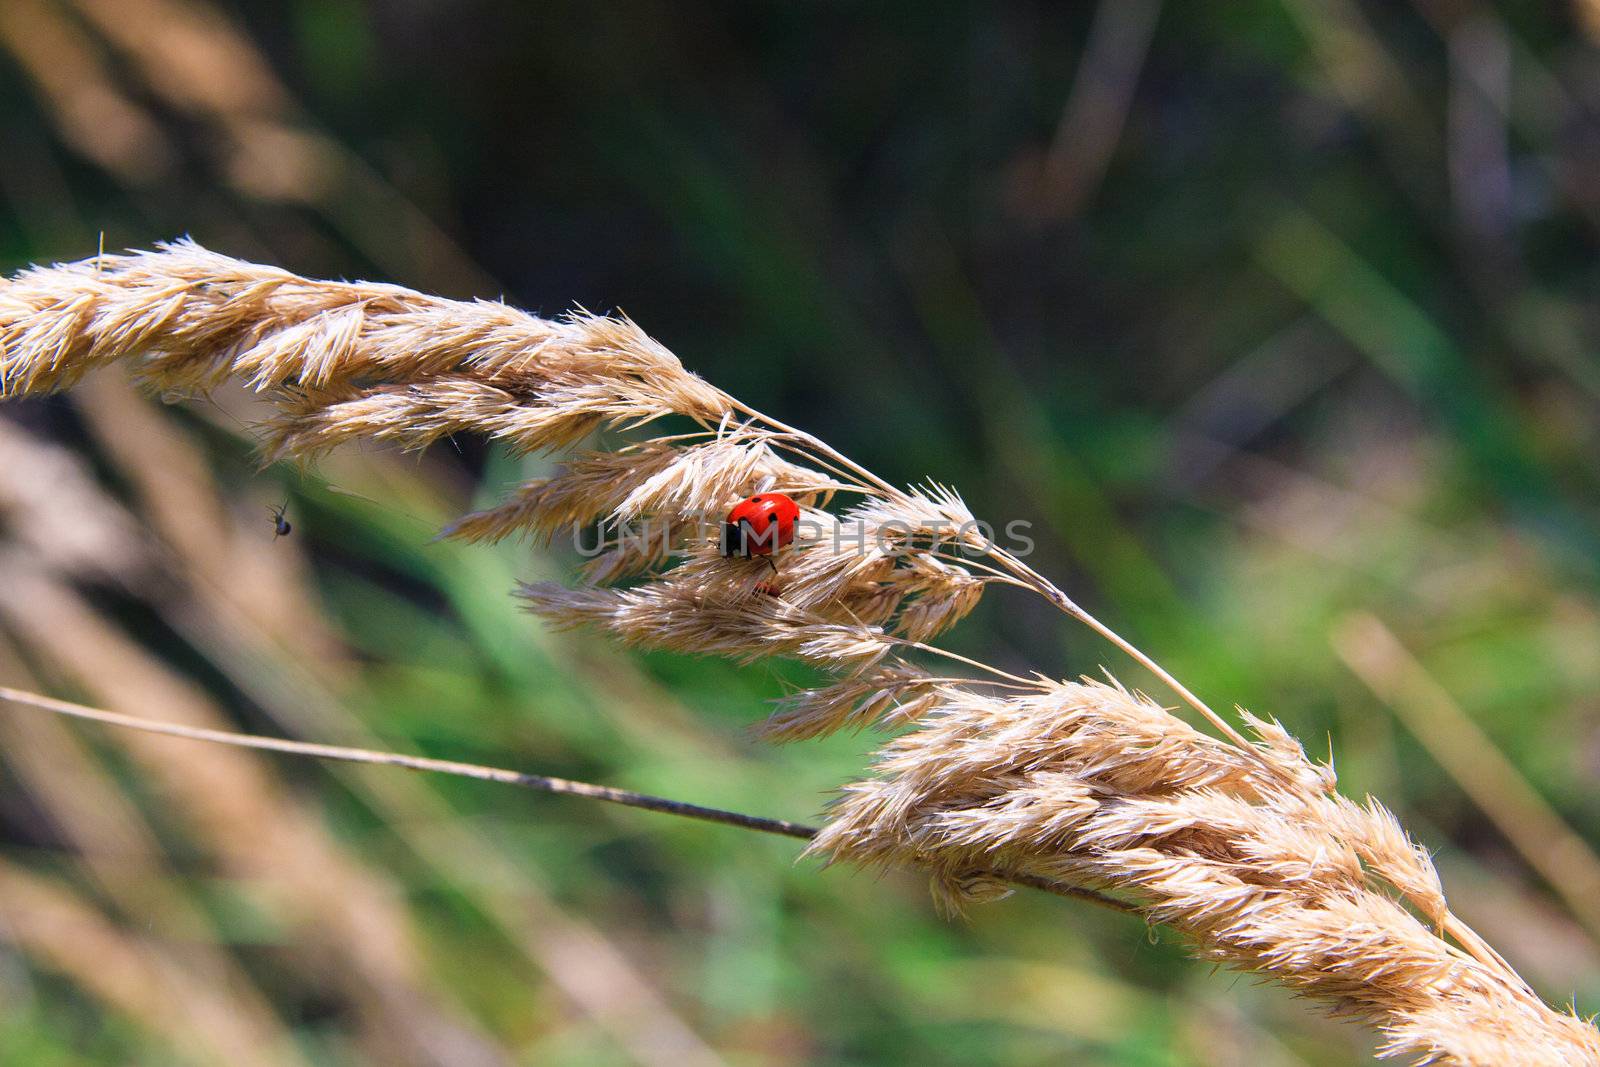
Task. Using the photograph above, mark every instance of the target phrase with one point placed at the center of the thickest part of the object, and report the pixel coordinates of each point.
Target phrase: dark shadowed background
(1276, 318)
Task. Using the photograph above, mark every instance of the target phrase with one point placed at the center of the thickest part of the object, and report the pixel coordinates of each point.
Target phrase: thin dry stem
(540, 783)
(537, 782)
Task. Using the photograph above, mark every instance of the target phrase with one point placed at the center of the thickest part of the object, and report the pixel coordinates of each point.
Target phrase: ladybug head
(750, 537)
(731, 542)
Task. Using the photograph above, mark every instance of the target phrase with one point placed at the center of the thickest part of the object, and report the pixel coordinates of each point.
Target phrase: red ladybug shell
(759, 525)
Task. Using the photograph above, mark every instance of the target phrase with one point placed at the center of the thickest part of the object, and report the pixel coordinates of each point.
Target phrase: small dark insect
(280, 525)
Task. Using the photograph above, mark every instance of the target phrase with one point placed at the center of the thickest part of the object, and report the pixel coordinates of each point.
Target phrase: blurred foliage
(1264, 313)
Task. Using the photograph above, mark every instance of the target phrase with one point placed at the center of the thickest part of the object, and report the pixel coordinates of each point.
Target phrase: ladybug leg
(768, 561)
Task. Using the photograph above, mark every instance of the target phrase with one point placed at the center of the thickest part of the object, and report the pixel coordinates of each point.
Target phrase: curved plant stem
(538, 782)
(820, 447)
(1029, 577)
(805, 452)
(921, 646)
(1050, 592)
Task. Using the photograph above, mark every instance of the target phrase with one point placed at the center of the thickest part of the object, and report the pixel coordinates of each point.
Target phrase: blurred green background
(1276, 318)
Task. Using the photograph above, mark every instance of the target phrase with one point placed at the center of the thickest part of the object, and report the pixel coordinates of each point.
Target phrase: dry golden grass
(1240, 841)
(252, 612)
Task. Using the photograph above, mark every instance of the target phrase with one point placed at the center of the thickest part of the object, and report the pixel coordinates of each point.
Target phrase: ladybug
(759, 526)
